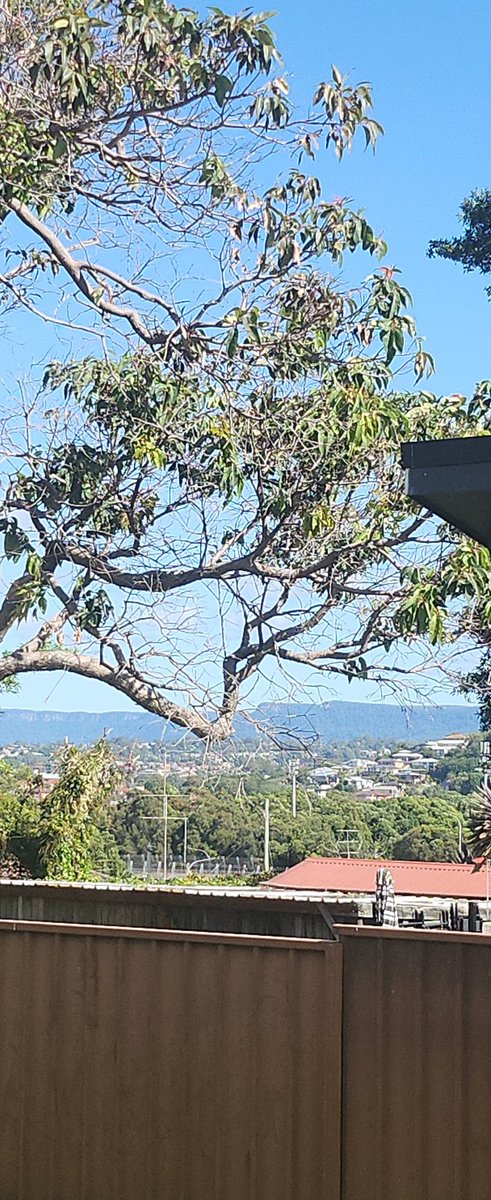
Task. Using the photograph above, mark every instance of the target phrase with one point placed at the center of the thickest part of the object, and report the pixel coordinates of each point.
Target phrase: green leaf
(232, 342)
(33, 565)
(59, 149)
(15, 543)
(223, 87)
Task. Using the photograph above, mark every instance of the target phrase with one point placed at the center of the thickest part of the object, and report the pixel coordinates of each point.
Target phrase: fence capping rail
(409, 935)
(245, 940)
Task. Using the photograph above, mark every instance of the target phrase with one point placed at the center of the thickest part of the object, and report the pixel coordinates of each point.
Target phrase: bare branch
(122, 680)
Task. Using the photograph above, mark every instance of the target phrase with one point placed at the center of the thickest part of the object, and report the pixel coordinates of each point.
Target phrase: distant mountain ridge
(334, 721)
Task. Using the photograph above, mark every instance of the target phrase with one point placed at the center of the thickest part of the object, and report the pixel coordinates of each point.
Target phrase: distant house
(414, 882)
(360, 766)
(48, 781)
(385, 791)
(358, 783)
(430, 763)
(324, 778)
(407, 757)
(444, 745)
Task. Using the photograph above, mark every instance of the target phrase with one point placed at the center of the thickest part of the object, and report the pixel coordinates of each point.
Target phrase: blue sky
(429, 67)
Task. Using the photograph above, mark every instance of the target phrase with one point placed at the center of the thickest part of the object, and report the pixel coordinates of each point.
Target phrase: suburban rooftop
(462, 881)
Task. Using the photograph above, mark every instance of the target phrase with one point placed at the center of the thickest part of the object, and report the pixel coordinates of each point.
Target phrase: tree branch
(125, 680)
(76, 272)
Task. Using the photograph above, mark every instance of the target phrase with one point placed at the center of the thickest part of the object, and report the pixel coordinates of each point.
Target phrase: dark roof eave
(452, 479)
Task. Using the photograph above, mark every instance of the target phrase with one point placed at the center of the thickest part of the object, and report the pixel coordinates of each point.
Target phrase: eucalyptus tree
(206, 484)
(472, 247)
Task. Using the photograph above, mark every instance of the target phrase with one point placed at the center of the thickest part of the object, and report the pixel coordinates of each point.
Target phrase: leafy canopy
(473, 248)
(225, 818)
(66, 832)
(209, 479)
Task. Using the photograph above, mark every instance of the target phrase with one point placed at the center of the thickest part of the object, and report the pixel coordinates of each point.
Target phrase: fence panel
(416, 1073)
(150, 1064)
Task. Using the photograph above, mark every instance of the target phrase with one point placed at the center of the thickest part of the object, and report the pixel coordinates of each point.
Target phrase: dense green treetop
(86, 825)
(226, 820)
(472, 249)
(64, 832)
(461, 770)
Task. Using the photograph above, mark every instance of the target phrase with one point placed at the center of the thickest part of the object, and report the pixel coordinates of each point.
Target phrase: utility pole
(294, 790)
(266, 834)
(486, 756)
(166, 817)
(240, 793)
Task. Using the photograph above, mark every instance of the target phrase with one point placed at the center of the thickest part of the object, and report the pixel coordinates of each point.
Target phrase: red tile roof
(444, 880)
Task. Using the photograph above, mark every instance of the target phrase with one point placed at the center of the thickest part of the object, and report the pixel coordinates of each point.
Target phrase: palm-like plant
(480, 824)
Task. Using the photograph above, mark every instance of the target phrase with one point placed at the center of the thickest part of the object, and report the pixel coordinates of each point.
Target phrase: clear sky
(429, 65)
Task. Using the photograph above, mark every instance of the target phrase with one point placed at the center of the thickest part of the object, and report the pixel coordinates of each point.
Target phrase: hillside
(331, 722)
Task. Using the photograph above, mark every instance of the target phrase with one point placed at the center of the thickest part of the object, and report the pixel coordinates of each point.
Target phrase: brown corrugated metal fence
(140, 1065)
(416, 1066)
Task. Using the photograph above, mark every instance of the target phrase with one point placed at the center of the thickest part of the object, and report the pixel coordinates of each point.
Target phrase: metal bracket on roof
(326, 916)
